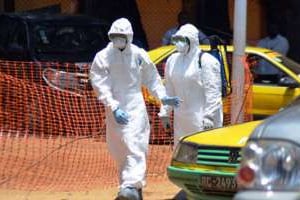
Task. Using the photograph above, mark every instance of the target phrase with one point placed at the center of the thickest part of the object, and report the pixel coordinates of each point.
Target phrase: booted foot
(140, 193)
(129, 194)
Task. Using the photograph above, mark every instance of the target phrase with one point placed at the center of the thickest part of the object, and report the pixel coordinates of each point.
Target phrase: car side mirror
(288, 82)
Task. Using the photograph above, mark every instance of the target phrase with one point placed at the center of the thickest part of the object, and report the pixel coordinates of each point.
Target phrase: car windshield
(62, 42)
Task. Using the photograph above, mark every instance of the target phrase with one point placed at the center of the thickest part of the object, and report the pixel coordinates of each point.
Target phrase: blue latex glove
(120, 116)
(171, 101)
(207, 124)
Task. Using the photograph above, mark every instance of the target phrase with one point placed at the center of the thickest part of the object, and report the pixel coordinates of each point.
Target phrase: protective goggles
(176, 39)
(116, 35)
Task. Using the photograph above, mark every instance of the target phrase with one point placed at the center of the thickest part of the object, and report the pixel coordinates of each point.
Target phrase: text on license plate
(218, 183)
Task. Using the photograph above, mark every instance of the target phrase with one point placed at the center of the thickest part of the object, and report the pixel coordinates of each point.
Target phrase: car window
(4, 32)
(12, 33)
(68, 39)
(13, 39)
(289, 63)
(63, 38)
(263, 71)
(18, 36)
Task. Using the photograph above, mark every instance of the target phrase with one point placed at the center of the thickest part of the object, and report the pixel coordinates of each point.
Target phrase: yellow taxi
(204, 164)
(269, 93)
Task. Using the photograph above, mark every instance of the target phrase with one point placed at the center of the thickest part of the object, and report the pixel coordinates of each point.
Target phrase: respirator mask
(181, 43)
(119, 40)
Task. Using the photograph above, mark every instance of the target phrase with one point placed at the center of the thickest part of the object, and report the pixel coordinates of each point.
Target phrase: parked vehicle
(51, 45)
(51, 37)
(270, 160)
(268, 95)
(204, 164)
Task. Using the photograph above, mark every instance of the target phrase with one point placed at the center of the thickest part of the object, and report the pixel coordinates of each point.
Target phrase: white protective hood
(122, 26)
(192, 33)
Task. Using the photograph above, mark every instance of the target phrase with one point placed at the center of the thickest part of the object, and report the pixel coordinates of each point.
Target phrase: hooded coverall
(198, 87)
(117, 77)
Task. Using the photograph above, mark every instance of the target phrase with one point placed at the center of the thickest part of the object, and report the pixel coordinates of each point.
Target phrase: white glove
(207, 124)
(166, 121)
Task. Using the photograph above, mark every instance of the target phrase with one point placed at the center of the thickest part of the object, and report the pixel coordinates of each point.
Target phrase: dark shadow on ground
(179, 196)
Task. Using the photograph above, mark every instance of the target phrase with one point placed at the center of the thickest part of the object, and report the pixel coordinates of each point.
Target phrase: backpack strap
(222, 72)
(139, 60)
(199, 61)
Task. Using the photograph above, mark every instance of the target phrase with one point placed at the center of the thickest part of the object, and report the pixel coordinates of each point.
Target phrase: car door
(269, 92)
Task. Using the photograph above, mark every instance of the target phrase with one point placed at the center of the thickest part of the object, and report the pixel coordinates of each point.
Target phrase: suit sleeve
(165, 110)
(101, 83)
(150, 76)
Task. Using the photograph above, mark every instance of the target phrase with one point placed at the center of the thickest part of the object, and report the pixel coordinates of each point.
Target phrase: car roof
(282, 126)
(159, 53)
(38, 17)
(228, 47)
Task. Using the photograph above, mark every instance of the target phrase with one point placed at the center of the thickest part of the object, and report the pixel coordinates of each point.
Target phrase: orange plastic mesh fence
(52, 130)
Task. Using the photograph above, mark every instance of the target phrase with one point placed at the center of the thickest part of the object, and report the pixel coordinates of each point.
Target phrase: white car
(270, 167)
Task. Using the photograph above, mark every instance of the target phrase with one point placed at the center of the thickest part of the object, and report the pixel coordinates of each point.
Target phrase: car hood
(235, 135)
(282, 126)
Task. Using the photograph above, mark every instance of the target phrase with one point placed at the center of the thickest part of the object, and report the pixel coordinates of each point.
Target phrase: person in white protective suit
(117, 74)
(199, 86)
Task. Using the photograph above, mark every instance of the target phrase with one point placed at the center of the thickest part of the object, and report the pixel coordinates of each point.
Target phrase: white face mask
(182, 47)
(119, 42)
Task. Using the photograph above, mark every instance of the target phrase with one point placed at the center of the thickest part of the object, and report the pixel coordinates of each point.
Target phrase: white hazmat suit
(198, 87)
(117, 76)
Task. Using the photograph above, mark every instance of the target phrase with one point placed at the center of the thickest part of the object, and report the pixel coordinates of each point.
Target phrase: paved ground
(154, 191)
(39, 164)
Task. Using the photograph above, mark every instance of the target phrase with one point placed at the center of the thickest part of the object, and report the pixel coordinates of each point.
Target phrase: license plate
(218, 183)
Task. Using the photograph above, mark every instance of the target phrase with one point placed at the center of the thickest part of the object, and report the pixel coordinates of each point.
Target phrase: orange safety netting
(52, 130)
